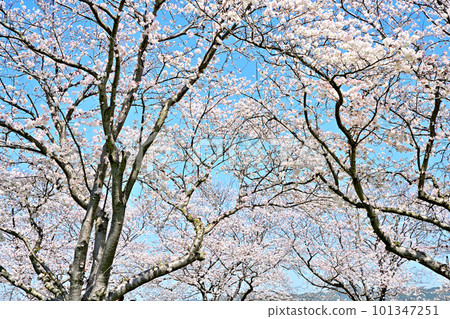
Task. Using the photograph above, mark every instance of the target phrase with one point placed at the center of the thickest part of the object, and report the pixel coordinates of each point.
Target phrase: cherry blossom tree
(364, 85)
(93, 93)
(337, 250)
(120, 119)
(243, 257)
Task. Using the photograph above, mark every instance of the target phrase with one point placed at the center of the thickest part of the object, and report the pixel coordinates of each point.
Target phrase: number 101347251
(405, 310)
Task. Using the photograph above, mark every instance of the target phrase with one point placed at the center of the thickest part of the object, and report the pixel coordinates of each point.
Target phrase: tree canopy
(178, 149)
